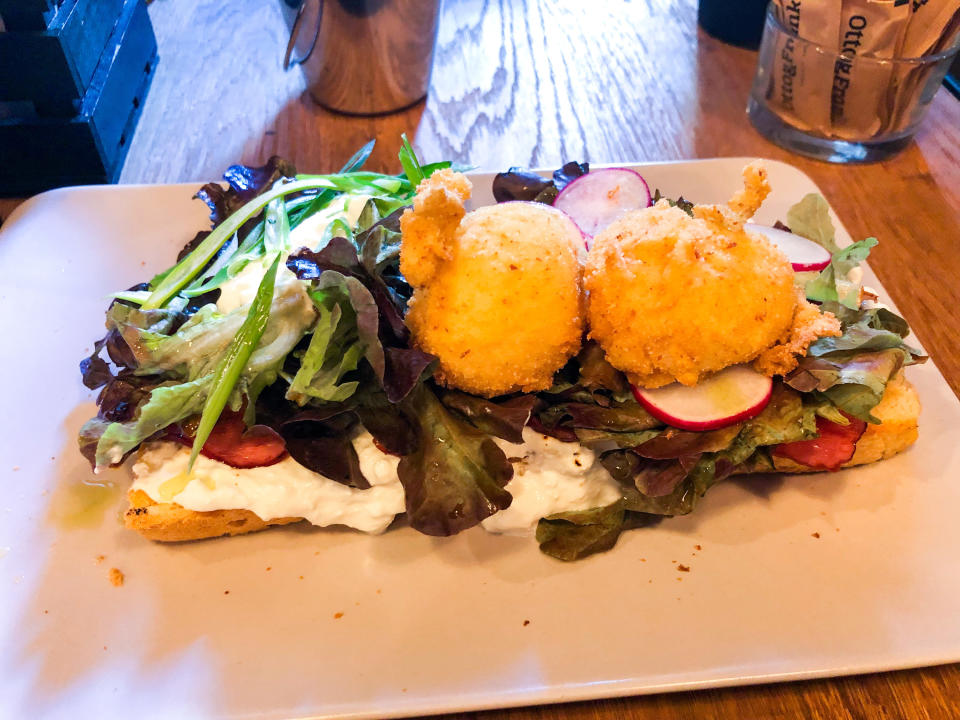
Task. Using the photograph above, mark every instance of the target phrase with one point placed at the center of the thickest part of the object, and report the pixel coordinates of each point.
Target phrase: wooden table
(536, 83)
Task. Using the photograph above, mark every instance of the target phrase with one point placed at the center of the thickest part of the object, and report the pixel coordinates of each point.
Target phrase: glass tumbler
(825, 104)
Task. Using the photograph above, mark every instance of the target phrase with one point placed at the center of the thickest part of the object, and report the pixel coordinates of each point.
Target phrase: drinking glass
(829, 105)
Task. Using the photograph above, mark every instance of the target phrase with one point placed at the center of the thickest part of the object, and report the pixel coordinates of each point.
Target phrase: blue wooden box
(52, 68)
(39, 152)
(27, 14)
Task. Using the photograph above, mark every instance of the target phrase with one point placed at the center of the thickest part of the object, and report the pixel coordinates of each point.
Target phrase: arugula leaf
(322, 198)
(359, 158)
(456, 477)
(408, 160)
(184, 271)
(574, 535)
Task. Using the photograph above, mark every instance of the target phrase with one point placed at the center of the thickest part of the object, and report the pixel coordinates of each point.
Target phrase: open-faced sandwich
(576, 360)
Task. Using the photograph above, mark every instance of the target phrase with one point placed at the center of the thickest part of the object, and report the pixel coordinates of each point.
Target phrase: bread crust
(171, 522)
(898, 411)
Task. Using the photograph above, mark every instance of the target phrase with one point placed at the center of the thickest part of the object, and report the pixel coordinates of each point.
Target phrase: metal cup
(365, 57)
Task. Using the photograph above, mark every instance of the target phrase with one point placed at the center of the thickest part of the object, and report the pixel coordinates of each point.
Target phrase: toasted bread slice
(898, 413)
(170, 522)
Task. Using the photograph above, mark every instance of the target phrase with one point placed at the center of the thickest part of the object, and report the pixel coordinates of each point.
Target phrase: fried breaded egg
(497, 291)
(674, 297)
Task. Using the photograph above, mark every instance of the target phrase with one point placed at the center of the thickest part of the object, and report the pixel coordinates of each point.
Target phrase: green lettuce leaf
(504, 418)
(166, 405)
(325, 362)
(682, 466)
(345, 332)
(456, 477)
(661, 487)
(673, 443)
(852, 370)
(196, 347)
(785, 419)
(189, 358)
(596, 374)
(853, 381)
(810, 218)
(574, 535)
(833, 284)
(620, 439)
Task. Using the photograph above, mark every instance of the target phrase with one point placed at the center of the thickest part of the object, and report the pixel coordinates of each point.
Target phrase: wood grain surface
(539, 82)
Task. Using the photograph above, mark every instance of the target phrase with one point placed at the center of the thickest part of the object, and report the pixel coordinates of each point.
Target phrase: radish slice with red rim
(804, 255)
(598, 198)
(735, 393)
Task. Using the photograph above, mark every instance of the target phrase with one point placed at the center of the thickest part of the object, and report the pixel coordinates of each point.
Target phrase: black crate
(53, 67)
(40, 153)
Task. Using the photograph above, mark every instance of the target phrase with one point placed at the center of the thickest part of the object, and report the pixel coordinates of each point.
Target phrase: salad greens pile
(319, 347)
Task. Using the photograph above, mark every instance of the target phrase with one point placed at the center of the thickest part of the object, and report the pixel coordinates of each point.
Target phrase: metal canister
(365, 57)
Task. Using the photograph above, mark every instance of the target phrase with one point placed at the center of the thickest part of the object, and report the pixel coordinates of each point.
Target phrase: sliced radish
(598, 198)
(805, 255)
(735, 393)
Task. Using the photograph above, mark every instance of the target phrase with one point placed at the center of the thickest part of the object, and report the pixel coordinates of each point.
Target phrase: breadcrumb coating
(674, 297)
(428, 230)
(808, 325)
(497, 291)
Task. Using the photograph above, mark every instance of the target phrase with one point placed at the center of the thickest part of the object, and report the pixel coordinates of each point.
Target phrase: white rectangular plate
(302, 622)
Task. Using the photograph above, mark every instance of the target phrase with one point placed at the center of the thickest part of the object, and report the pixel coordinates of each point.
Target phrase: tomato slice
(233, 443)
(382, 448)
(834, 446)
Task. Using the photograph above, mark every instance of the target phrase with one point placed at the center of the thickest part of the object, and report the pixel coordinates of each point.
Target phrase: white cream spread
(284, 489)
(310, 231)
(550, 476)
(240, 290)
(242, 287)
